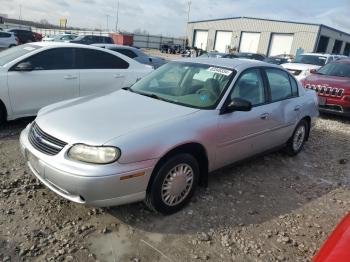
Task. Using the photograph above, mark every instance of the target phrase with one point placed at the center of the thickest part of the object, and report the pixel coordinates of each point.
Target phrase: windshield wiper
(128, 89)
(152, 96)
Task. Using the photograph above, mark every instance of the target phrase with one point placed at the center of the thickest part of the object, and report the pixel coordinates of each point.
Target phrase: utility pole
(107, 17)
(20, 12)
(117, 19)
(188, 20)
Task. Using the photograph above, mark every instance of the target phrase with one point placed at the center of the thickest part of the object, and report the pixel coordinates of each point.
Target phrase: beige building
(268, 37)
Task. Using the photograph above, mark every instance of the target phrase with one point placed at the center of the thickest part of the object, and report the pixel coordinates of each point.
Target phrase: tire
(162, 191)
(296, 143)
(2, 116)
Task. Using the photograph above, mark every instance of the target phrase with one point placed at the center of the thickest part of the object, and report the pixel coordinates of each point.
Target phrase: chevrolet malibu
(158, 140)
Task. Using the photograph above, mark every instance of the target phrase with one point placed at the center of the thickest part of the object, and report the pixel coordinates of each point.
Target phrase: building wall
(305, 35)
(334, 35)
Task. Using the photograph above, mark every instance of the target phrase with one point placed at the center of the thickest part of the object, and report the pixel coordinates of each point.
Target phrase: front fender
(155, 141)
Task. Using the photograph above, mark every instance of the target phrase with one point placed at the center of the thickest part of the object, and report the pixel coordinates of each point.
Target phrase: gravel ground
(272, 208)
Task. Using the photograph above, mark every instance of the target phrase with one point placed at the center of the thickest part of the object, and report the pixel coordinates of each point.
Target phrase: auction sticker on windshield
(220, 71)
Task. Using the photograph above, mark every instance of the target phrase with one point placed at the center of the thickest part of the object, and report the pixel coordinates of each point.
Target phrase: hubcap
(177, 184)
(299, 137)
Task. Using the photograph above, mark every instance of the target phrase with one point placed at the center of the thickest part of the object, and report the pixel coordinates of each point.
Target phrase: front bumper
(93, 185)
(335, 106)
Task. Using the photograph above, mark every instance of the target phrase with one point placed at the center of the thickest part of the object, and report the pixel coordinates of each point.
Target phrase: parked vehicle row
(158, 139)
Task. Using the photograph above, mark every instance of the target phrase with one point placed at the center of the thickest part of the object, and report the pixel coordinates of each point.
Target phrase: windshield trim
(212, 107)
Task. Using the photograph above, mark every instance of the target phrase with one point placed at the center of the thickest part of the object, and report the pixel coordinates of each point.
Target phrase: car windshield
(189, 84)
(335, 69)
(311, 59)
(13, 53)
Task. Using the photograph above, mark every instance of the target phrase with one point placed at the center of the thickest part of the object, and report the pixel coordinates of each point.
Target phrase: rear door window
(280, 85)
(96, 59)
(4, 35)
(53, 59)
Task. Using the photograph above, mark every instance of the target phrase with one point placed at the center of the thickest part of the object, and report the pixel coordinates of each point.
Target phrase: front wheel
(296, 143)
(174, 184)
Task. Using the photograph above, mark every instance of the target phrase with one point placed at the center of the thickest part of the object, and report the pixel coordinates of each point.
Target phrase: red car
(337, 247)
(332, 83)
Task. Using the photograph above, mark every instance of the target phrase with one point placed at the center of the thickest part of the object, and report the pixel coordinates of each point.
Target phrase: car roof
(317, 54)
(114, 45)
(64, 44)
(342, 61)
(234, 63)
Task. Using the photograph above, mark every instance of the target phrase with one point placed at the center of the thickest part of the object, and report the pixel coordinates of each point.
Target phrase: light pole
(189, 11)
(20, 12)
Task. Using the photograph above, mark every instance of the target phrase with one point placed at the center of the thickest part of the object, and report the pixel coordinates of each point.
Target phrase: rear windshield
(335, 69)
(311, 59)
(13, 53)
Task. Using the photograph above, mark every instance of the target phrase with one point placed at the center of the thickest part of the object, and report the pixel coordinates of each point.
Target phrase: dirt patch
(272, 208)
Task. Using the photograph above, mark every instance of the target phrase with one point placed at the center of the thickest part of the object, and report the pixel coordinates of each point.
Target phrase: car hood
(94, 120)
(298, 66)
(332, 81)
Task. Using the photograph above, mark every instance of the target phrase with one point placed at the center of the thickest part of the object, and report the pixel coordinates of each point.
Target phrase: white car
(303, 64)
(38, 74)
(7, 39)
(60, 38)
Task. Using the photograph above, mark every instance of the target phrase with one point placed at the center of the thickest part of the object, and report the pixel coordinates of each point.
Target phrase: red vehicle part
(337, 247)
(38, 37)
(333, 91)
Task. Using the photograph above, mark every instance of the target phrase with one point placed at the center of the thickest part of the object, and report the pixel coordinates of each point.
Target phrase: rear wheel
(2, 115)
(296, 143)
(174, 184)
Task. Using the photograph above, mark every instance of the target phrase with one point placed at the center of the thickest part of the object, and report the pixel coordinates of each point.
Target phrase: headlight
(94, 154)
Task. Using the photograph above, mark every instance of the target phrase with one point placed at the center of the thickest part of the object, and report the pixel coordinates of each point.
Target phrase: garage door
(222, 41)
(201, 39)
(249, 42)
(280, 44)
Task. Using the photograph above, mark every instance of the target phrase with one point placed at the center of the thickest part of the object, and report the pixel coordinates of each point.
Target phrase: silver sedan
(159, 139)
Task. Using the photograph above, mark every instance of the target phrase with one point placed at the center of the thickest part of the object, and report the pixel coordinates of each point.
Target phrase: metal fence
(154, 41)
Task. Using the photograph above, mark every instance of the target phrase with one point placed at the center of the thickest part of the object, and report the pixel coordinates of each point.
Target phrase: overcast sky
(168, 17)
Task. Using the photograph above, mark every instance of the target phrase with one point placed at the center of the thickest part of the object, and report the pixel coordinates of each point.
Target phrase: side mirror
(313, 71)
(24, 66)
(237, 104)
(150, 59)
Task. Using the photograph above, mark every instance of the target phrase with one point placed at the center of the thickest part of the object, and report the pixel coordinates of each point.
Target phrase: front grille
(294, 72)
(44, 142)
(326, 90)
(332, 107)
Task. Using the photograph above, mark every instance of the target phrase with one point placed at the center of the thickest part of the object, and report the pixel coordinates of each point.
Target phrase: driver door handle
(264, 116)
(70, 77)
(118, 76)
(297, 108)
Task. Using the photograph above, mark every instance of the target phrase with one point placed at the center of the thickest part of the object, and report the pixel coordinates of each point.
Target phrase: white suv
(7, 39)
(303, 64)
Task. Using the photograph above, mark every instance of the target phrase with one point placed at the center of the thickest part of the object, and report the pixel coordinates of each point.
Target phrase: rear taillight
(17, 40)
